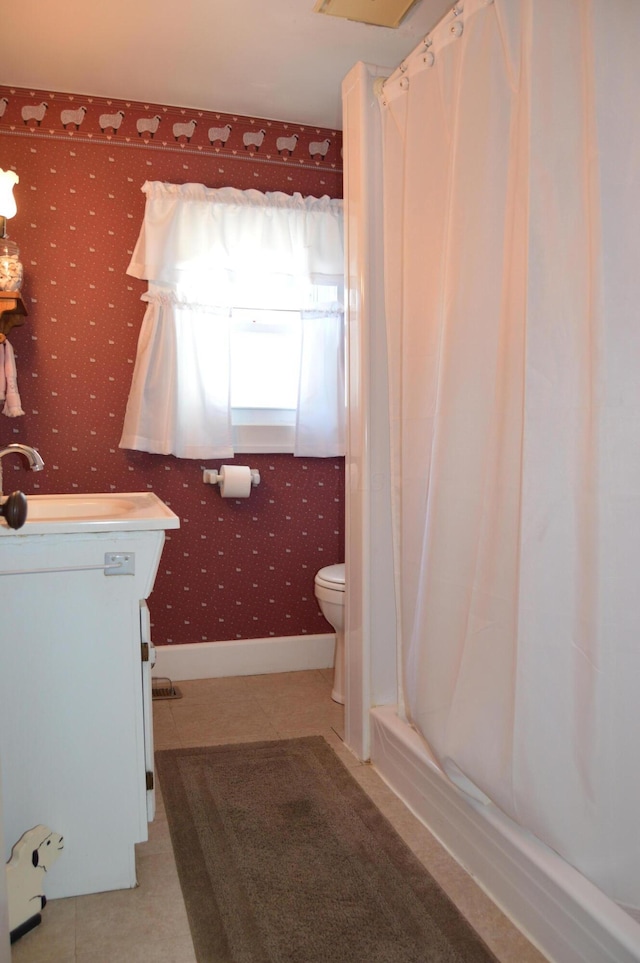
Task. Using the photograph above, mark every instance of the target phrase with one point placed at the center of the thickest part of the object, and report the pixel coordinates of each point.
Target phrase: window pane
(265, 359)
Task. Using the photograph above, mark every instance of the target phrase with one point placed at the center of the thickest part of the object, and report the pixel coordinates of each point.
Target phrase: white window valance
(219, 240)
(204, 252)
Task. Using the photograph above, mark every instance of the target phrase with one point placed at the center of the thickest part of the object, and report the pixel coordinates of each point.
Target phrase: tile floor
(149, 923)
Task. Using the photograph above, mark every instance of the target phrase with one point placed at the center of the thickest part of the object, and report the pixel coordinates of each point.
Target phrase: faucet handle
(15, 510)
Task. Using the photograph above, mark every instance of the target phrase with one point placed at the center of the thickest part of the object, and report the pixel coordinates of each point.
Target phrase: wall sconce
(10, 266)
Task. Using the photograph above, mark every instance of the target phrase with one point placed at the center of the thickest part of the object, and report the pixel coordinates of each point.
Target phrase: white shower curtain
(512, 242)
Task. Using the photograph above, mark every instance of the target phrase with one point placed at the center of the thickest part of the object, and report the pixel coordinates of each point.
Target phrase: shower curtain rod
(420, 49)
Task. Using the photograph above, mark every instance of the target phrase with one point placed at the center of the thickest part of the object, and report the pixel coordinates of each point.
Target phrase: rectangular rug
(283, 858)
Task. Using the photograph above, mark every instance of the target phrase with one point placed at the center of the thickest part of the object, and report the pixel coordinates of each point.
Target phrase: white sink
(111, 511)
(50, 508)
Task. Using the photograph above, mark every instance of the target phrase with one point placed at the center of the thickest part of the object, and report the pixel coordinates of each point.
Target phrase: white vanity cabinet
(75, 714)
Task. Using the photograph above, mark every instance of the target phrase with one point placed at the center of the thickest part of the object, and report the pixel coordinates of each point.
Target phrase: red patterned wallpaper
(236, 568)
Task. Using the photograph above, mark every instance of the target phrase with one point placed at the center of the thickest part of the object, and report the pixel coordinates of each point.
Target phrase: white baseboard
(209, 660)
(555, 906)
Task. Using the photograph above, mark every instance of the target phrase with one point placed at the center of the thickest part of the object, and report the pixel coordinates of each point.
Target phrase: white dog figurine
(31, 857)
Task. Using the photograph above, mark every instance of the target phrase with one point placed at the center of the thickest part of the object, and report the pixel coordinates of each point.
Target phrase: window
(265, 357)
(242, 344)
(265, 360)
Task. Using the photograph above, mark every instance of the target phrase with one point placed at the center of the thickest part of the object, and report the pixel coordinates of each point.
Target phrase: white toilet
(329, 589)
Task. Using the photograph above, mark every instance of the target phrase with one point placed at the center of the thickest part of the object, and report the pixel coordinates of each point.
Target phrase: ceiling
(276, 59)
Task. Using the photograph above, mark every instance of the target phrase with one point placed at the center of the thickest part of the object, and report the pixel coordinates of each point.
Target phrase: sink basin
(115, 511)
(49, 508)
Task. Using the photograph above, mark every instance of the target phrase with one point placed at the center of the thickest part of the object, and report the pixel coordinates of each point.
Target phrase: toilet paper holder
(211, 476)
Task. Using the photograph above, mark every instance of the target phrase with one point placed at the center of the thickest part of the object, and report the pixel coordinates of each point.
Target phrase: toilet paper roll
(235, 481)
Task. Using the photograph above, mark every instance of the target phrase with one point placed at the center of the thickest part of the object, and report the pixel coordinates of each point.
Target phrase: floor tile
(54, 940)
(293, 682)
(124, 951)
(203, 691)
(165, 733)
(234, 721)
(129, 915)
(301, 712)
(159, 839)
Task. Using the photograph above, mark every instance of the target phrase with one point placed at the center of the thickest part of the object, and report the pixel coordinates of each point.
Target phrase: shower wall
(370, 624)
(233, 570)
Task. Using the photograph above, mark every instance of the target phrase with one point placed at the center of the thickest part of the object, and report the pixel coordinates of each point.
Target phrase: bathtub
(560, 911)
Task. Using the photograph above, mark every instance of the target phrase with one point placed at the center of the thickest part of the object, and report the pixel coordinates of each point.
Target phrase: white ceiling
(275, 59)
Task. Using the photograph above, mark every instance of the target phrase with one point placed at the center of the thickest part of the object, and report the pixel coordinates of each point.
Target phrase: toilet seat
(331, 577)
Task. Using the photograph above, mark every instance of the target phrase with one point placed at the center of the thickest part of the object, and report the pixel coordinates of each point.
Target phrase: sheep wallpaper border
(77, 117)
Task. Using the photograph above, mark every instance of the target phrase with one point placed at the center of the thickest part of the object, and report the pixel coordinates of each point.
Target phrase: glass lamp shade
(8, 179)
(10, 266)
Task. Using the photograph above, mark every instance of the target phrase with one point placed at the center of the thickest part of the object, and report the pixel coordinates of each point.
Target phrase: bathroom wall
(234, 569)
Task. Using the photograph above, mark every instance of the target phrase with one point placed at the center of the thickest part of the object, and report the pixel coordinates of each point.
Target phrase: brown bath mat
(283, 858)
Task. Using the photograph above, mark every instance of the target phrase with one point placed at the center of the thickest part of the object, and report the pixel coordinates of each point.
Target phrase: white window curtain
(205, 252)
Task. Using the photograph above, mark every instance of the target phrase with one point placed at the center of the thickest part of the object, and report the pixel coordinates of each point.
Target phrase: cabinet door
(5, 952)
(148, 661)
(71, 742)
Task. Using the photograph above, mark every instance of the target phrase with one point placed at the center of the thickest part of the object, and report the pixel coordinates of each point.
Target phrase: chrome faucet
(34, 460)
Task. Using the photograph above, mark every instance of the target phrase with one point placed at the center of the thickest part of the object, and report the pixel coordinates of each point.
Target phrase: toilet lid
(332, 576)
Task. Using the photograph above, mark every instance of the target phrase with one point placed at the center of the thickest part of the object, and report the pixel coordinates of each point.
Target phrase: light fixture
(379, 13)
(10, 266)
